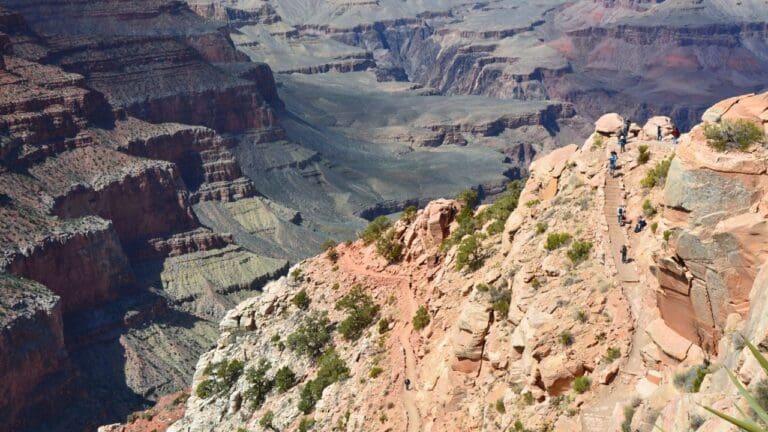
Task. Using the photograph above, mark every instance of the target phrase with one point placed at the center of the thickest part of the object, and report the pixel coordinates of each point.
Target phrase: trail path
(597, 416)
(401, 333)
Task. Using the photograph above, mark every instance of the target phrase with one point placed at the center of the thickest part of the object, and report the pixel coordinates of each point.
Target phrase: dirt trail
(597, 416)
(402, 351)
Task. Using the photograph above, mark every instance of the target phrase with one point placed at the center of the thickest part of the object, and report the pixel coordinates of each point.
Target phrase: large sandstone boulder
(609, 124)
(431, 226)
(557, 373)
(471, 328)
(650, 129)
(668, 340)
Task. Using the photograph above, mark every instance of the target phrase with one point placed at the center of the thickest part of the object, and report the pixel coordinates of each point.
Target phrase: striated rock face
(31, 335)
(714, 201)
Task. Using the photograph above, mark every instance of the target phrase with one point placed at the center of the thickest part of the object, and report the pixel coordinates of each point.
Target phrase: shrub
(528, 398)
(667, 234)
(296, 275)
(482, 287)
(657, 175)
(581, 316)
(361, 312)
(470, 253)
(383, 325)
(259, 385)
(690, 380)
(222, 376)
(421, 318)
(598, 141)
(532, 203)
(301, 300)
(541, 227)
(311, 336)
(267, 419)
(332, 255)
(612, 354)
(496, 227)
(579, 251)
(375, 229)
(644, 156)
(388, 247)
(375, 372)
(501, 307)
(555, 240)
(328, 245)
(629, 413)
(535, 283)
(284, 379)
(500, 408)
(306, 424)
(648, 208)
(331, 369)
(566, 338)
(581, 384)
(733, 135)
(468, 197)
(409, 214)
(654, 227)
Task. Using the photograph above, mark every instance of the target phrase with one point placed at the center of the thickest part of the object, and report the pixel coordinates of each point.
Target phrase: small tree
(409, 214)
(468, 197)
(375, 229)
(388, 247)
(259, 385)
(301, 300)
(470, 253)
(739, 135)
(284, 379)
(311, 336)
(421, 319)
(361, 313)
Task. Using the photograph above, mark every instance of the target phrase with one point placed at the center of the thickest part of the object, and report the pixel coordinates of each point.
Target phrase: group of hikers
(624, 133)
(613, 159)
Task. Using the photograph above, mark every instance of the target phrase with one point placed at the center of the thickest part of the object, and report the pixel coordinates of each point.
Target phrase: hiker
(407, 384)
(612, 162)
(620, 214)
(622, 142)
(675, 134)
(658, 133)
(640, 224)
(624, 251)
(625, 131)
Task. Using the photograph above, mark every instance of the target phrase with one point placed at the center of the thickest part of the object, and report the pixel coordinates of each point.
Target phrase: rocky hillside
(521, 315)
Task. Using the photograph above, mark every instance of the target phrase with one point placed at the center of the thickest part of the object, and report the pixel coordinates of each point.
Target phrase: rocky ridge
(509, 341)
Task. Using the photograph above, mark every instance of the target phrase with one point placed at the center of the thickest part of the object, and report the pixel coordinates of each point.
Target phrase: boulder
(472, 326)
(668, 340)
(609, 124)
(651, 127)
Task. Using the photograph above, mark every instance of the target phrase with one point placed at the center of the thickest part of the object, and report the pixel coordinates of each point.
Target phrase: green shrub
(221, 377)
(409, 214)
(581, 316)
(654, 227)
(535, 283)
(470, 253)
(644, 156)
(267, 419)
(579, 251)
(284, 379)
(301, 300)
(482, 287)
(306, 424)
(311, 336)
(388, 247)
(690, 380)
(500, 408)
(375, 229)
(648, 208)
(297, 275)
(566, 338)
(541, 227)
(612, 354)
(740, 135)
(331, 369)
(528, 398)
(657, 175)
(259, 385)
(556, 240)
(421, 318)
(375, 372)
(496, 227)
(501, 307)
(361, 313)
(468, 197)
(328, 245)
(598, 141)
(667, 234)
(629, 414)
(581, 384)
(532, 203)
(383, 325)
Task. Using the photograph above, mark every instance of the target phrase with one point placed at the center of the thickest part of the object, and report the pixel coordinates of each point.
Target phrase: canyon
(162, 161)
